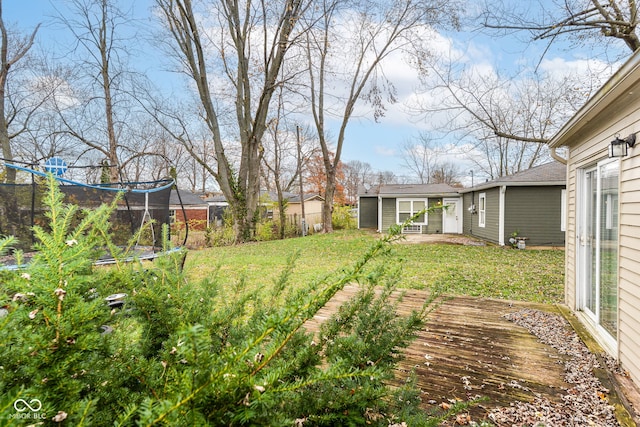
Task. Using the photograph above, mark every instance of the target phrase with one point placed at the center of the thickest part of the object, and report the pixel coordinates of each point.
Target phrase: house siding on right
(614, 111)
(628, 339)
(629, 281)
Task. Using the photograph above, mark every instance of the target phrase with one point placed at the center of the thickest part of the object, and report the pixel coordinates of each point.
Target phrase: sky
(377, 143)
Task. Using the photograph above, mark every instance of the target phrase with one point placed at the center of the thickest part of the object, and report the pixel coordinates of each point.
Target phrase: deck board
(472, 350)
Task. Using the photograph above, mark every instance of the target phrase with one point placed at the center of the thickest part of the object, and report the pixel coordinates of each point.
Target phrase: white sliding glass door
(598, 247)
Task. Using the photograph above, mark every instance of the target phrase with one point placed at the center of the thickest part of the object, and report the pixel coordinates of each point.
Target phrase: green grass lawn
(487, 271)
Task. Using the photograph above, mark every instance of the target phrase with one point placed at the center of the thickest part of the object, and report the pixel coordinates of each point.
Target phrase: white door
(597, 281)
(452, 216)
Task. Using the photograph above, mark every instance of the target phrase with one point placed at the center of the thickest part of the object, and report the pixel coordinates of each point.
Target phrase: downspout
(503, 190)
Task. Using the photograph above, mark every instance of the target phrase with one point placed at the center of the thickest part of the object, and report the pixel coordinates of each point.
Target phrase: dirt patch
(450, 239)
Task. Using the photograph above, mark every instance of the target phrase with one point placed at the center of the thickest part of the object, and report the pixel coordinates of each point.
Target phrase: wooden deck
(468, 349)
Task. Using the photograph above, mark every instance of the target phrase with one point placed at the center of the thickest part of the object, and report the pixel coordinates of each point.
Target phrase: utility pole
(303, 221)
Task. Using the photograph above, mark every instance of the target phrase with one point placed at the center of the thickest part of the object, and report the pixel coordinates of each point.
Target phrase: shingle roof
(417, 189)
(188, 198)
(295, 198)
(291, 197)
(552, 173)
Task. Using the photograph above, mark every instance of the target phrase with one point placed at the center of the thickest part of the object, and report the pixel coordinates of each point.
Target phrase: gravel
(585, 403)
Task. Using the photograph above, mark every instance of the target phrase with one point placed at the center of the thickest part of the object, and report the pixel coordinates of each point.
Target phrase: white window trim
(418, 199)
(482, 209)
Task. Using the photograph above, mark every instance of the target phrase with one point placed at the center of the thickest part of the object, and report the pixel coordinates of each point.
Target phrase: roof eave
(432, 195)
(515, 184)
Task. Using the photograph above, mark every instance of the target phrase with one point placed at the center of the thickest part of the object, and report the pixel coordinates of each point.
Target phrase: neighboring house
(195, 209)
(217, 206)
(312, 208)
(393, 204)
(527, 205)
(602, 280)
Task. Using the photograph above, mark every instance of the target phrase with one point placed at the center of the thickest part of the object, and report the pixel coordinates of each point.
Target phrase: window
(406, 208)
(482, 209)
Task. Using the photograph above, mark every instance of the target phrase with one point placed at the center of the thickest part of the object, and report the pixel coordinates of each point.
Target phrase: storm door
(452, 216)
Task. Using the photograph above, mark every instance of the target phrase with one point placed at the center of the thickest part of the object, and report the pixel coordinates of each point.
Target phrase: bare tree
(420, 156)
(384, 178)
(15, 113)
(246, 44)
(446, 172)
(287, 151)
(150, 153)
(102, 108)
(348, 44)
(356, 174)
(503, 122)
(581, 21)
(274, 166)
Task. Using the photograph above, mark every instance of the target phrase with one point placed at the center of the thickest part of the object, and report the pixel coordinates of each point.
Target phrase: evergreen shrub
(342, 219)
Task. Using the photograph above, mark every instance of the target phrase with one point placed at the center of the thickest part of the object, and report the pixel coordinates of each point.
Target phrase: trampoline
(141, 206)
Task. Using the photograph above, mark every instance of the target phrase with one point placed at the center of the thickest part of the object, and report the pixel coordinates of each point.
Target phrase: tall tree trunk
(327, 205)
(114, 172)
(241, 184)
(7, 153)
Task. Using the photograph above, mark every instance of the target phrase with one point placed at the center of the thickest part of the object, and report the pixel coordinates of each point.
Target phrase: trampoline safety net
(142, 204)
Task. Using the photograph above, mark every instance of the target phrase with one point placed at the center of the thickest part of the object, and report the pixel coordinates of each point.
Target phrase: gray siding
(368, 212)
(388, 213)
(469, 219)
(434, 220)
(490, 231)
(534, 212)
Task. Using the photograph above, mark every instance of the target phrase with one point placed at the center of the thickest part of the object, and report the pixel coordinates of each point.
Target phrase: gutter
(556, 156)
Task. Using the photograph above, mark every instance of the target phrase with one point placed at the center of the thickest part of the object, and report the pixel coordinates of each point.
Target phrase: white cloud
(562, 67)
(385, 151)
(54, 88)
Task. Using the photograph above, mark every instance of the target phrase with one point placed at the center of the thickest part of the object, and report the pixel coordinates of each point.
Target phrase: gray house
(528, 204)
(393, 204)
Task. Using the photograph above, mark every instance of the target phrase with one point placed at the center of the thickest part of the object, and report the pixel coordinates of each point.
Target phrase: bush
(342, 218)
(220, 236)
(178, 354)
(266, 230)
